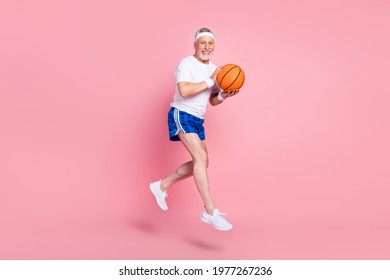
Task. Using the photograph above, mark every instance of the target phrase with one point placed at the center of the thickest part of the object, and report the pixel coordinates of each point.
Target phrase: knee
(201, 158)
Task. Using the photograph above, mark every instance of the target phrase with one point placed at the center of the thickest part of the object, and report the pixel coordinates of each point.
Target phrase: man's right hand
(214, 75)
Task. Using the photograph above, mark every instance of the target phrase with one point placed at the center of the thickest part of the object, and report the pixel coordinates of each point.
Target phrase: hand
(229, 93)
(214, 75)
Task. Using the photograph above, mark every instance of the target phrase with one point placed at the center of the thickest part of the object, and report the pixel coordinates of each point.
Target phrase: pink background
(299, 159)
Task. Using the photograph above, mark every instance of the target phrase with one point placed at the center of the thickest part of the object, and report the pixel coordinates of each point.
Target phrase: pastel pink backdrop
(299, 159)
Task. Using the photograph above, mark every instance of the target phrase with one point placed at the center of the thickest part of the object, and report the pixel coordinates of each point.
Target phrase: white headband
(201, 34)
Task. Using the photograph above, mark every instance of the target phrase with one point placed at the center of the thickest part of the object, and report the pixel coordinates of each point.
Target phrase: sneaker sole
(221, 229)
(158, 203)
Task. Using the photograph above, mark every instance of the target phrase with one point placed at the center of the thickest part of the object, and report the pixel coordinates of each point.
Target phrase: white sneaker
(159, 195)
(216, 220)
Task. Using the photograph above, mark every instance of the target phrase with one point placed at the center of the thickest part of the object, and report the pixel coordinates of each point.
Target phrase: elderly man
(195, 87)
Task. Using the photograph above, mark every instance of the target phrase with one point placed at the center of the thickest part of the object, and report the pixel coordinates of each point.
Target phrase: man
(195, 80)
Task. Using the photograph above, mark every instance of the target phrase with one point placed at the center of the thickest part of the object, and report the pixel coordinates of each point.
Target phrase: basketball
(230, 77)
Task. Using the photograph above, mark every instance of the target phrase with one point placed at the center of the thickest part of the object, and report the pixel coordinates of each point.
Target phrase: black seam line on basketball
(226, 74)
(238, 75)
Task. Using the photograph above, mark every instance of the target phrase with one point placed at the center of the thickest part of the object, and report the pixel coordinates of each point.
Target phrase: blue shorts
(184, 122)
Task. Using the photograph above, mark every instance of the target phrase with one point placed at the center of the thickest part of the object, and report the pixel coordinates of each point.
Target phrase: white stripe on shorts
(176, 116)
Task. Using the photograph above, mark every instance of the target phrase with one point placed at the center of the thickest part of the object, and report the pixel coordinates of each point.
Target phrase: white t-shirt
(192, 70)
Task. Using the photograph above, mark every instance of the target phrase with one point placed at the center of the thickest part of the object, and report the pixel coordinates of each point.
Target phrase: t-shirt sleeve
(183, 72)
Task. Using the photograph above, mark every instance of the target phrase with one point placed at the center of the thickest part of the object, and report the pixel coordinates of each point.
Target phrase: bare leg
(182, 172)
(198, 150)
(198, 169)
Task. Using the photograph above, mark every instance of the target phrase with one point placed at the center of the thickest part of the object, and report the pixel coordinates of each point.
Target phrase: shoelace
(219, 213)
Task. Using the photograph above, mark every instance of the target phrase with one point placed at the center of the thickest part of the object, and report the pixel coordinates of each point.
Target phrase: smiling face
(204, 48)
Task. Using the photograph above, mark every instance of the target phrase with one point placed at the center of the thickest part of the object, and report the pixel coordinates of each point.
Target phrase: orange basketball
(230, 77)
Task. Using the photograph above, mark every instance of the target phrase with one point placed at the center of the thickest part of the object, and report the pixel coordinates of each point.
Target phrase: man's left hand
(229, 93)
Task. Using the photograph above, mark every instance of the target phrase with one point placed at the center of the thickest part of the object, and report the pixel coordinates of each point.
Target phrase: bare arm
(189, 89)
(214, 100)
(225, 94)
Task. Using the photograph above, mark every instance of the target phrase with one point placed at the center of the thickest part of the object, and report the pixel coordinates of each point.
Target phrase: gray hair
(204, 29)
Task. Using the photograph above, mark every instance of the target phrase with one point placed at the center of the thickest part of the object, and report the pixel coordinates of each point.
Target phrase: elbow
(183, 92)
(184, 89)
